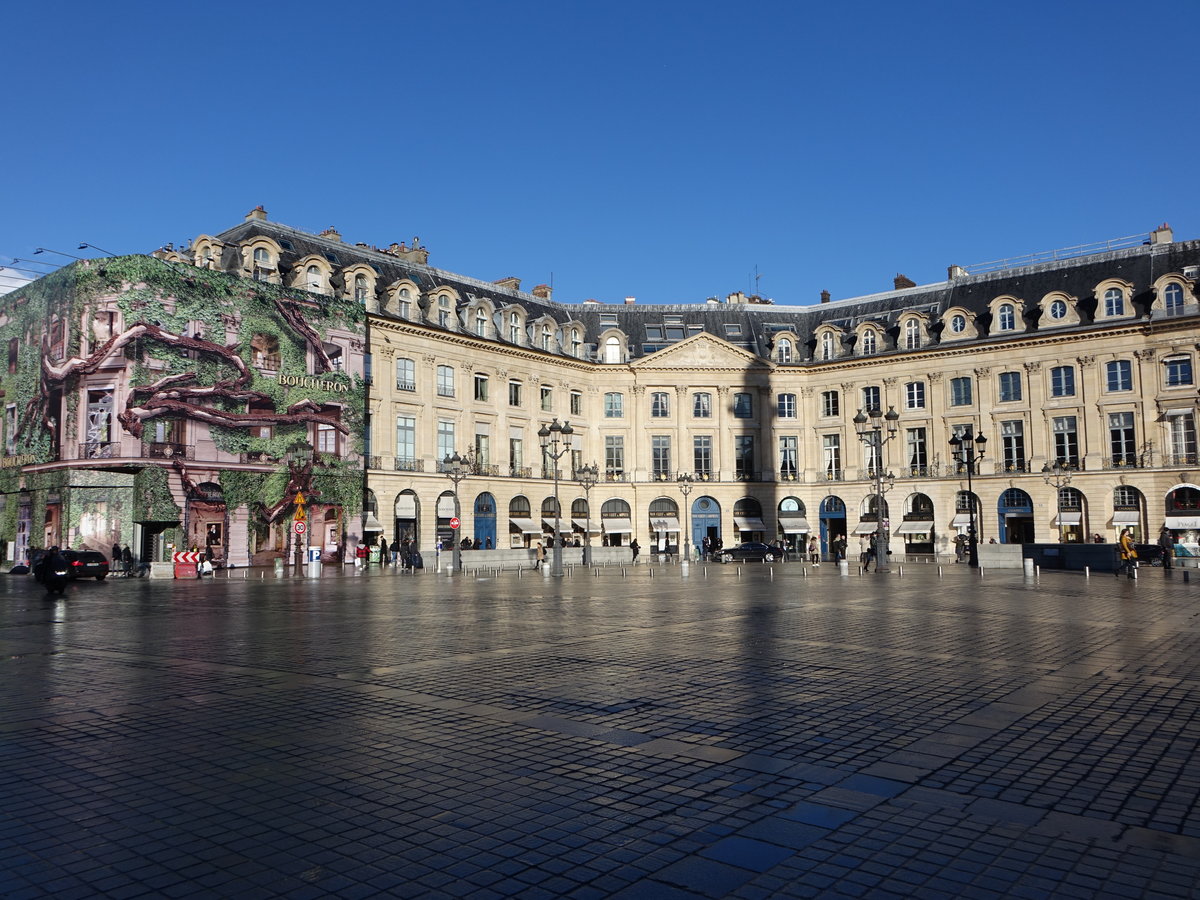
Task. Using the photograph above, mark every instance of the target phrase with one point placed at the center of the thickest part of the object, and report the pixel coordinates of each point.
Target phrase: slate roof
(1077, 277)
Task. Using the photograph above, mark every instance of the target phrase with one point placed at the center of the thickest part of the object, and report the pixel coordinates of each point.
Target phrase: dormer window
(312, 278)
(576, 343)
(1114, 302)
(1173, 299)
(262, 264)
(514, 328)
(612, 350)
(958, 323)
(912, 335)
(360, 287)
(827, 346)
(1006, 317)
(869, 347)
(444, 310)
(1058, 309)
(785, 350)
(546, 337)
(405, 302)
(480, 323)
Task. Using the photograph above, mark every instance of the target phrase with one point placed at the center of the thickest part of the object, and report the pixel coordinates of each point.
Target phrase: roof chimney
(1162, 234)
(631, 299)
(824, 296)
(331, 233)
(511, 282)
(953, 272)
(542, 291)
(257, 213)
(902, 281)
(591, 301)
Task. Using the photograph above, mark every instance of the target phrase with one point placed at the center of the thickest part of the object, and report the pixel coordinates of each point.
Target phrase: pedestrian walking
(394, 550)
(870, 555)
(1168, 547)
(116, 555)
(1128, 554)
(541, 555)
(636, 548)
(814, 551)
(127, 560)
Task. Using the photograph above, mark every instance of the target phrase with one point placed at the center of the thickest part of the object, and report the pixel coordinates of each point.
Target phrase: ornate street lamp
(456, 468)
(871, 427)
(587, 476)
(967, 450)
(556, 443)
(1059, 476)
(685, 480)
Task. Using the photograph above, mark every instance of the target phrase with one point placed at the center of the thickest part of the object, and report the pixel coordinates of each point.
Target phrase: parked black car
(87, 564)
(751, 550)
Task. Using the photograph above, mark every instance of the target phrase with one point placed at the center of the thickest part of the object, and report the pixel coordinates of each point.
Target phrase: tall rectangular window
(743, 457)
(789, 468)
(1010, 387)
(516, 453)
(547, 395)
(514, 393)
(743, 406)
(961, 393)
(787, 406)
(483, 449)
(914, 395)
(405, 375)
(1062, 381)
(831, 450)
(702, 455)
(1066, 441)
(406, 439)
(702, 405)
(1012, 440)
(1119, 375)
(10, 429)
(830, 405)
(481, 387)
(445, 439)
(614, 455)
(660, 455)
(918, 454)
(576, 403)
(870, 398)
(614, 405)
(1182, 438)
(1121, 439)
(445, 381)
(660, 405)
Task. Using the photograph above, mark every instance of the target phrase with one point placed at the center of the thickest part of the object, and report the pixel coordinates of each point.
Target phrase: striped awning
(525, 526)
(922, 527)
(866, 528)
(1126, 517)
(582, 525)
(665, 524)
(1069, 518)
(618, 526)
(564, 525)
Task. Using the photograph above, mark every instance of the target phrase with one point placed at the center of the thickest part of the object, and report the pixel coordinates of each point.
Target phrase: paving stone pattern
(727, 734)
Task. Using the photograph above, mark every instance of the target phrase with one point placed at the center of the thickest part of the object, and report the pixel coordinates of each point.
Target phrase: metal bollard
(939, 571)
(1087, 572)
(900, 571)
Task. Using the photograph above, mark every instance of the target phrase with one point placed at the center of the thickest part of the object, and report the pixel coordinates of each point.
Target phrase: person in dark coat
(636, 548)
(1168, 546)
(127, 560)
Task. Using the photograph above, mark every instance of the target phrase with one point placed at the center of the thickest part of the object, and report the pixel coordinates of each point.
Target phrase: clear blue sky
(656, 149)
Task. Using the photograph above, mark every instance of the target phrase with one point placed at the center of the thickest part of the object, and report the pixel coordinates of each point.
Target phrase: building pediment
(701, 351)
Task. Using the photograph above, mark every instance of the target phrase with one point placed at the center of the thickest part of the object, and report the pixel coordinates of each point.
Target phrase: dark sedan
(86, 564)
(751, 551)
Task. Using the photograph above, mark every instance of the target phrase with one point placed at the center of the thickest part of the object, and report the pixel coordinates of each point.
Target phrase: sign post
(300, 527)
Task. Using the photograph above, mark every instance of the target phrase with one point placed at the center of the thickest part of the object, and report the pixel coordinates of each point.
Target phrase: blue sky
(662, 150)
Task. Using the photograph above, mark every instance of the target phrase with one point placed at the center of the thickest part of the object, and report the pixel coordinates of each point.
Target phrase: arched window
(313, 280)
(549, 507)
(576, 343)
(514, 328)
(663, 506)
(444, 310)
(518, 507)
(405, 302)
(579, 508)
(747, 508)
(1114, 302)
(406, 375)
(869, 346)
(546, 337)
(827, 345)
(791, 506)
(480, 322)
(912, 334)
(1126, 497)
(1173, 299)
(360, 287)
(262, 264)
(614, 509)
(920, 506)
(785, 351)
(1007, 317)
(612, 350)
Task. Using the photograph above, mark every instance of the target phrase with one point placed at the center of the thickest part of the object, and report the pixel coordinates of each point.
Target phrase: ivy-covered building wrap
(170, 407)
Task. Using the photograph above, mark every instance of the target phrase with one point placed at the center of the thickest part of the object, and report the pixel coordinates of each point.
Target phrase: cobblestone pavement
(736, 733)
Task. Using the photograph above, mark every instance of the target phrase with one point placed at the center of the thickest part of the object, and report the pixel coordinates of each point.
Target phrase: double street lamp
(456, 468)
(587, 476)
(966, 449)
(1059, 476)
(871, 427)
(556, 443)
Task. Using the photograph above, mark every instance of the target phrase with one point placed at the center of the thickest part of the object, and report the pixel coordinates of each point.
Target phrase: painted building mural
(167, 407)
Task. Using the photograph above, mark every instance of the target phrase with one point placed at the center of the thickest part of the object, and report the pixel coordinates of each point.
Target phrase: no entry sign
(454, 523)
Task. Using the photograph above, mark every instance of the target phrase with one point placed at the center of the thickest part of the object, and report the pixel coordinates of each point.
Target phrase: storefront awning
(866, 528)
(372, 523)
(1183, 523)
(794, 525)
(1126, 517)
(665, 524)
(582, 525)
(961, 520)
(747, 524)
(618, 526)
(921, 527)
(1069, 518)
(525, 526)
(564, 525)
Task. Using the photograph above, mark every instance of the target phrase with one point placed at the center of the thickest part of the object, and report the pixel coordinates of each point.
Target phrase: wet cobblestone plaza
(650, 736)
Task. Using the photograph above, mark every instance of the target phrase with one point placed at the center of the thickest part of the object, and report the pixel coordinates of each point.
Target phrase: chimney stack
(824, 296)
(257, 213)
(331, 234)
(953, 272)
(542, 291)
(511, 282)
(902, 281)
(1162, 234)
(631, 300)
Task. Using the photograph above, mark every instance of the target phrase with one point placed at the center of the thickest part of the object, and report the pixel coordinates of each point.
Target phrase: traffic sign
(300, 526)
(454, 523)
